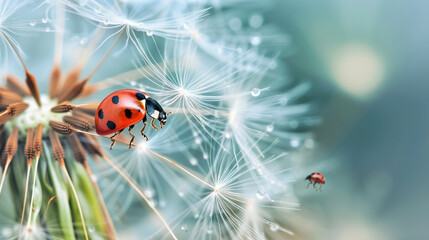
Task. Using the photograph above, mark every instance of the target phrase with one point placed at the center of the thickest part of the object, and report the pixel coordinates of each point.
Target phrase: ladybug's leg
(130, 128)
(153, 119)
(113, 140)
(309, 183)
(144, 126)
(314, 185)
(320, 188)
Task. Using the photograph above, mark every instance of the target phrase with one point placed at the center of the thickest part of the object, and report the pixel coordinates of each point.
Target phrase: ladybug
(316, 178)
(125, 108)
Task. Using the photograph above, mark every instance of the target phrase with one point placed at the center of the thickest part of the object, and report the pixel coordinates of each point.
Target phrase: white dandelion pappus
(162, 19)
(238, 207)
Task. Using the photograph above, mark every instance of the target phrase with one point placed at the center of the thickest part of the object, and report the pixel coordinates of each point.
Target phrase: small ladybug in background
(316, 178)
(125, 108)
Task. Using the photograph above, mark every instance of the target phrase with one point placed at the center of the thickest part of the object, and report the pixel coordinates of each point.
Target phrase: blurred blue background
(369, 62)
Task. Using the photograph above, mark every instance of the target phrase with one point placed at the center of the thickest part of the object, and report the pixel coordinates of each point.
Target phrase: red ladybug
(125, 108)
(316, 178)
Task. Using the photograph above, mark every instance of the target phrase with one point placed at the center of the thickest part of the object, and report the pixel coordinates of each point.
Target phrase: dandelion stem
(63, 167)
(136, 188)
(183, 169)
(32, 192)
(9, 160)
(103, 204)
(25, 199)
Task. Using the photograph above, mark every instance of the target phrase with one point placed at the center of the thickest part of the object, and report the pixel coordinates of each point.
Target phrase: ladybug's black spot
(111, 125)
(115, 99)
(128, 113)
(100, 114)
(140, 96)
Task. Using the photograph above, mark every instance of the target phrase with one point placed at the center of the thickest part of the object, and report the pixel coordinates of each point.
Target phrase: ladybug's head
(162, 118)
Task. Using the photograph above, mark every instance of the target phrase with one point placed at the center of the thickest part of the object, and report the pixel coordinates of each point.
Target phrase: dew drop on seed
(228, 135)
(274, 227)
(205, 156)
(256, 92)
(256, 21)
(181, 194)
(196, 215)
(149, 33)
(149, 193)
(260, 194)
(255, 41)
(197, 141)
(270, 127)
(193, 161)
(184, 227)
(32, 24)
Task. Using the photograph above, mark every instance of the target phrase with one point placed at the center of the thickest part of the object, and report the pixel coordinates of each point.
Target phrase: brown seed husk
(37, 143)
(12, 143)
(29, 149)
(8, 97)
(14, 84)
(79, 123)
(77, 149)
(11, 111)
(32, 85)
(62, 128)
(55, 81)
(70, 79)
(63, 107)
(57, 148)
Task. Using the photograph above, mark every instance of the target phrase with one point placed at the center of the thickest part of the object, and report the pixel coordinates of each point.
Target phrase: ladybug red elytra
(316, 178)
(125, 108)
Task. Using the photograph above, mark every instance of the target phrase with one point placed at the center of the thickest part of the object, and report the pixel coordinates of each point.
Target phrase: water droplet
(149, 193)
(106, 21)
(47, 30)
(45, 20)
(149, 33)
(209, 231)
(256, 92)
(228, 135)
(32, 24)
(196, 215)
(185, 26)
(274, 227)
(205, 156)
(82, 41)
(256, 21)
(181, 194)
(260, 194)
(197, 140)
(270, 127)
(295, 143)
(91, 229)
(133, 83)
(255, 41)
(193, 161)
(184, 227)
